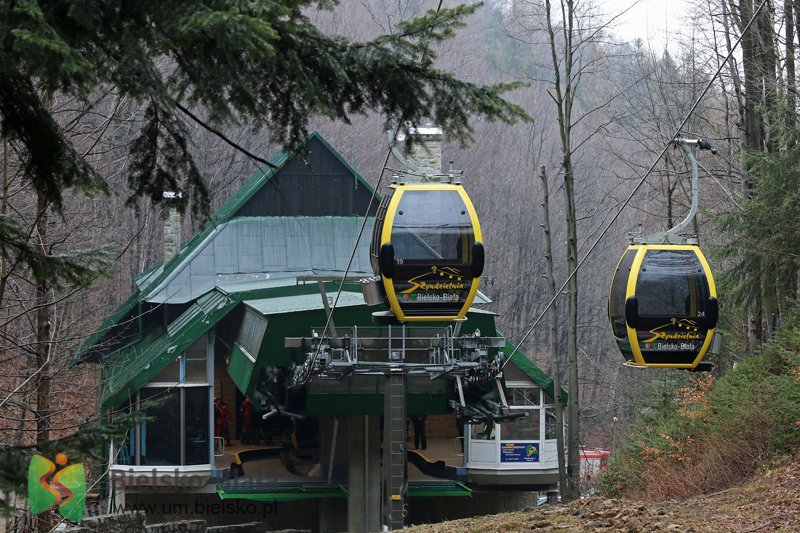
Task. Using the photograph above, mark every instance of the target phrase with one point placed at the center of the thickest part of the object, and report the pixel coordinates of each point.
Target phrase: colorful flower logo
(66, 490)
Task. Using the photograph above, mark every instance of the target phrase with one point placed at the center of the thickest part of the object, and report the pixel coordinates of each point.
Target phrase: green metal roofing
(241, 368)
(306, 302)
(239, 199)
(158, 272)
(539, 376)
(136, 364)
(260, 248)
(291, 491)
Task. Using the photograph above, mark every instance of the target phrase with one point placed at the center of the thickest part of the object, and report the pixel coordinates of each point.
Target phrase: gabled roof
(226, 211)
(263, 248)
(159, 272)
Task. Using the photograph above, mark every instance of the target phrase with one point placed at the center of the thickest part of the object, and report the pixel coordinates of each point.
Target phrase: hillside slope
(768, 501)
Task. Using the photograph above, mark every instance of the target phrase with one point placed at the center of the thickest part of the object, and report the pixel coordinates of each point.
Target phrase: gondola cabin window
(671, 283)
(432, 225)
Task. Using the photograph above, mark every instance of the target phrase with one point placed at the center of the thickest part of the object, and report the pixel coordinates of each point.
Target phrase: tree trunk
(42, 335)
(573, 411)
(554, 357)
(564, 97)
(753, 142)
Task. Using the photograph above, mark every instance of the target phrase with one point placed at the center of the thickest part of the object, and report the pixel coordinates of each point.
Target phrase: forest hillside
(769, 501)
(721, 456)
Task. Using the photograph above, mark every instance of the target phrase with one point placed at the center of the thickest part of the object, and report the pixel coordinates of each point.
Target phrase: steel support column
(395, 470)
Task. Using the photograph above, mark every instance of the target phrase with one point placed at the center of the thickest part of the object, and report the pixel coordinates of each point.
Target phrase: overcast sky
(656, 22)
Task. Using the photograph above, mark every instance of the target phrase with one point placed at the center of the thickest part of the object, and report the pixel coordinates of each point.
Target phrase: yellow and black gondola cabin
(427, 248)
(663, 305)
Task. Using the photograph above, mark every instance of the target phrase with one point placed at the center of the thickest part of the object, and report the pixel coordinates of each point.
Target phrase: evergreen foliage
(768, 224)
(79, 268)
(88, 444)
(262, 61)
(712, 435)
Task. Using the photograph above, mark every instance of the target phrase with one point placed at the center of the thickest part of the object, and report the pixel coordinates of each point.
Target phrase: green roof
(419, 488)
(530, 369)
(131, 367)
(238, 200)
(291, 491)
(306, 302)
(158, 272)
(137, 363)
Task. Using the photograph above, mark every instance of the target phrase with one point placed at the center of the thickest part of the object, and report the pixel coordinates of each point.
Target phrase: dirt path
(770, 501)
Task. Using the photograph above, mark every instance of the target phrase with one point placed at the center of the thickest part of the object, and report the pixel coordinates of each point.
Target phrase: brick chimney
(172, 226)
(426, 154)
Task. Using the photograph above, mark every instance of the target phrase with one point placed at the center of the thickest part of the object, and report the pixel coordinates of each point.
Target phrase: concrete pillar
(331, 514)
(363, 480)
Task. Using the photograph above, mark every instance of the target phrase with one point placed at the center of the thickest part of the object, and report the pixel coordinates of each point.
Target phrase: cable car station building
(250, 427)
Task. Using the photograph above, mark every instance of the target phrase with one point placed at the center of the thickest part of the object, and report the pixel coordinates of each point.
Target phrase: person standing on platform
(220, 418)
(420, 441)
(248, 424)
(460, 428)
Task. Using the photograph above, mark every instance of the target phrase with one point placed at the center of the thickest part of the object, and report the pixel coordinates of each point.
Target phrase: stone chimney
(426, 154)
(172, 226)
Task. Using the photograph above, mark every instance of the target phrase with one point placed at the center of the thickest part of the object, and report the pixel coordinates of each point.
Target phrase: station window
(550, 427)
(251, 333)
(179, 431)
(528, 400)
(480, 431)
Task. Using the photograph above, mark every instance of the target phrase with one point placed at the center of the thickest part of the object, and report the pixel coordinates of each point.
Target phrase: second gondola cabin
(427, 248)
(663, 305)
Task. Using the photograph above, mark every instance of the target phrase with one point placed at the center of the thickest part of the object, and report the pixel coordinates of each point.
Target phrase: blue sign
(519, 452)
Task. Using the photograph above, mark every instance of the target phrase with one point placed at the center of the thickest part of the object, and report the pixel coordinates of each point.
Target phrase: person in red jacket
(220, 418)
(248, 422)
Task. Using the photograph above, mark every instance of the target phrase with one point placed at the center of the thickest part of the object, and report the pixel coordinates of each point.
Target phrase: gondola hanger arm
(673, 235)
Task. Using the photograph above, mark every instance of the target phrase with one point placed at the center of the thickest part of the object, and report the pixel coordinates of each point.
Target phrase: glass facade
(527, 428)
(178, 403)
(158, 437)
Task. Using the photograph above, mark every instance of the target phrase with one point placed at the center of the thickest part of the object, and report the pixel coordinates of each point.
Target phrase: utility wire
(641, 182)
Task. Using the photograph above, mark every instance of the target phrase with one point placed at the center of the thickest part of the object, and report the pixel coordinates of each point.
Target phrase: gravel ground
(769, 501)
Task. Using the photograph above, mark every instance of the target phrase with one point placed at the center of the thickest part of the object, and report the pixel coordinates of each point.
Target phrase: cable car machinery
(427, 257)
(663, 303)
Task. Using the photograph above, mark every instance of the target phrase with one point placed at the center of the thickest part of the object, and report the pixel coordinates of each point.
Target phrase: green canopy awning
(280, 491)
(419, 489)
(138, 363)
